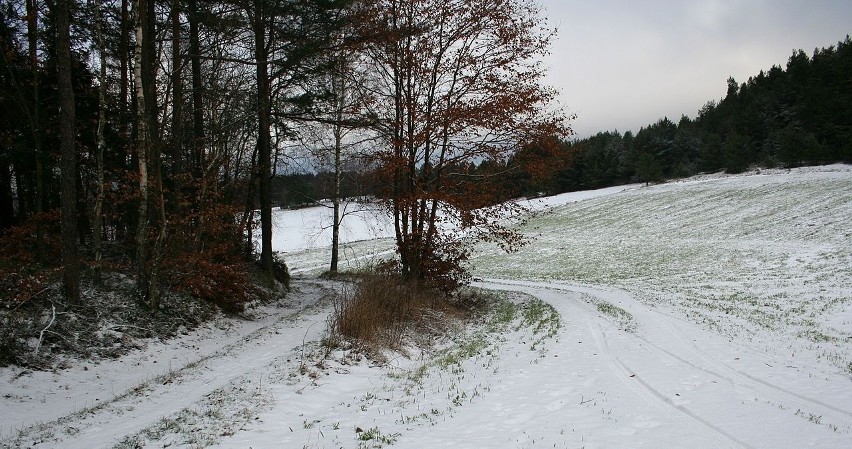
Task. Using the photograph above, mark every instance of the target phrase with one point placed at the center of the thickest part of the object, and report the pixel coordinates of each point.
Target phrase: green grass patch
(622, 317)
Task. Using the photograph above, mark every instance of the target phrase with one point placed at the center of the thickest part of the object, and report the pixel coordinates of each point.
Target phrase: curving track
(715, 391)
(209, 390)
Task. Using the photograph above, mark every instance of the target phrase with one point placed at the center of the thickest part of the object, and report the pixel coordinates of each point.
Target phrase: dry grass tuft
(382, 312)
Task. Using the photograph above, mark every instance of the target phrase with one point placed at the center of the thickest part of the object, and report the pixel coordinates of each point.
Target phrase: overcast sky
(624, 64)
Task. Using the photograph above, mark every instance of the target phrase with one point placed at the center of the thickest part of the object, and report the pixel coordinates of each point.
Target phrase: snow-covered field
(712, 312)
(310, 228)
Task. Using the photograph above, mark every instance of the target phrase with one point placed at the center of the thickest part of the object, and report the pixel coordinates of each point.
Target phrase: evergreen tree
(735, 152)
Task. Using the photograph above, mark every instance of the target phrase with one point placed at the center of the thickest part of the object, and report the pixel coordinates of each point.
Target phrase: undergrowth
(46, 332)
(203, 267)
(380, 311)
(41, 330)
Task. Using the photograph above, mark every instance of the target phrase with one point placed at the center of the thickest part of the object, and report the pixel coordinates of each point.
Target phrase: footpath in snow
(656, 381)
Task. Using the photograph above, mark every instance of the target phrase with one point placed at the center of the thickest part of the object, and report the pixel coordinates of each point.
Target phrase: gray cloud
(625, 64)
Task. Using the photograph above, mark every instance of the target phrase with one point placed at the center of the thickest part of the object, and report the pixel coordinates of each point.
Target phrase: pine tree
(68, 137)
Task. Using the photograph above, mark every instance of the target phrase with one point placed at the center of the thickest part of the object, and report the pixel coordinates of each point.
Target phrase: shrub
(225, 285)
(21, 275)
(442, 269)
(280, 271)
(12, 347)
(205, 257)
(108, 323)
(371, 312)
(20, 243)
(18, 286)
(381, 311)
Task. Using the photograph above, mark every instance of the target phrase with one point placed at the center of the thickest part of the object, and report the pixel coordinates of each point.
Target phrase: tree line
(146, 136)
(783, 117)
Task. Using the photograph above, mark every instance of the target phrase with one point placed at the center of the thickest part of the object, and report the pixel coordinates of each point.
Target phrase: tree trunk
(127, 223)
(335, 227)
(67, 125)
(38, 139)
(247, 223)
(99, 200)
(196, 157)
(339, 88)
(177, 91)
(197, 93)
(150, 179)
(149, 68)
(148, 156)
(7, 203)
(264, 148)
(142, 143)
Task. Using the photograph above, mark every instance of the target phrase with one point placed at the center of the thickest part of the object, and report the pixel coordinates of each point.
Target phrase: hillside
(711, 312)
(762, 257)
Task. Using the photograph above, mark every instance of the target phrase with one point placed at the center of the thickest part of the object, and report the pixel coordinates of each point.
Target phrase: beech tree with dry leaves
(454, 83)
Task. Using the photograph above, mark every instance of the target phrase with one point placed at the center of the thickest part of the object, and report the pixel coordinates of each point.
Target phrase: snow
(573, 197)
(709, 312)
(310, 228)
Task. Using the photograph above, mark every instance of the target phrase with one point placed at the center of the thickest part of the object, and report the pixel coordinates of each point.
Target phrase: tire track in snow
(728, 373)
(647, 393)
(653, 394)
(680, 354)
(156, 398)
(712, 366)
(715, 367)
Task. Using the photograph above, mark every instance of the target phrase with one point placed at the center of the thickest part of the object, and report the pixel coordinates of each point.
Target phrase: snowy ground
(310, 228)
(713, 312)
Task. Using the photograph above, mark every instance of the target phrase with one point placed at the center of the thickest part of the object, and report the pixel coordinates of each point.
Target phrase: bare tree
(339, 89)
(150, 178)
(260, 17)
(177, 88)
(287, 40)
(457, 82)
(344, 121)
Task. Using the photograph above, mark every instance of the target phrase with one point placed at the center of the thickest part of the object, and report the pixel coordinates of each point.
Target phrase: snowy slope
(712, 312)
(310, 228)
(758, 258)
(303, 236)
